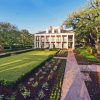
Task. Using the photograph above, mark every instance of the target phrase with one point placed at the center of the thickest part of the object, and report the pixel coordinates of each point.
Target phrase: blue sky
(37, 15)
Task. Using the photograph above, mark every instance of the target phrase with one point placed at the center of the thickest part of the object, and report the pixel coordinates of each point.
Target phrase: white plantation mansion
(54, 37)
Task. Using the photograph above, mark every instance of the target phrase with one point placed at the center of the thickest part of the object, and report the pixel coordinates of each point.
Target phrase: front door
(70, 45)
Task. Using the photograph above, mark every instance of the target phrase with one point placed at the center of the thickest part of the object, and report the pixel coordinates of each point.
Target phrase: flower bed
(85, 58)
(62, 53)
(43, 84)
(93, 85)
(98, 56)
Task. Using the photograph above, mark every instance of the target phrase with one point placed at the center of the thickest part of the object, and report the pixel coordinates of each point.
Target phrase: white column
(61, 42)
(44, 41)
(73, 42)
(34, 41)
(47, 31)
(39, 41)
(50, 41)
(67, 41)
(59, 31)
(55, 41)
(53, 30)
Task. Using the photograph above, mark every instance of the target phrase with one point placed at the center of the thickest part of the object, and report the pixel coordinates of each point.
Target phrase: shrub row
(14, 53)
(16, 47)
(5, 55)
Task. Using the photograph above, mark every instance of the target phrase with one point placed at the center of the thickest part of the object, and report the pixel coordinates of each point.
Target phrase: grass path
(9, 63)
(23, 65)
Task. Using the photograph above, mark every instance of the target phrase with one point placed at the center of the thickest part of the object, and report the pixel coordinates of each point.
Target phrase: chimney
(50, 29)
(61, 28)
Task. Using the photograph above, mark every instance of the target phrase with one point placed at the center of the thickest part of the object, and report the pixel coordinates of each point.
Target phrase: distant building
(54, 37)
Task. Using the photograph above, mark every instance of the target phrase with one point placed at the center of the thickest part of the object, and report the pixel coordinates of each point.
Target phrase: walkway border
(73, 87)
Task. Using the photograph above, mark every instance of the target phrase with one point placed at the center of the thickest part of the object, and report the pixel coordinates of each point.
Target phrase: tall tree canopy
(11, 37)
(86, 24)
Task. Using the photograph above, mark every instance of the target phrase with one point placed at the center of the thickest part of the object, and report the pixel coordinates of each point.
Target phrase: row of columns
(39, 41)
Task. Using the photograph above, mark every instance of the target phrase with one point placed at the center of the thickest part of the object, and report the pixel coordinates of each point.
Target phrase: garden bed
(85, 58)
(43, 84)
(93, 85)
(62, 53)
(98, 56)
(7, 54)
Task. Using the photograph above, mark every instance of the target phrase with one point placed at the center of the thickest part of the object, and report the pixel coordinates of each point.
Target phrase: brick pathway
(73, 84)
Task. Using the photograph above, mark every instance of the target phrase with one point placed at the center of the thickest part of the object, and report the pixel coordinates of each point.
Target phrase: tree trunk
(97, 41)
(97, 46)
(1, 49)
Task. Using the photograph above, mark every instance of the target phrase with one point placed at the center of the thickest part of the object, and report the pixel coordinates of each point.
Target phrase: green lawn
(13, 67)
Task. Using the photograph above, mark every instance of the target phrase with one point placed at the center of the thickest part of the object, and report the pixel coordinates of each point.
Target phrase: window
(70, 38)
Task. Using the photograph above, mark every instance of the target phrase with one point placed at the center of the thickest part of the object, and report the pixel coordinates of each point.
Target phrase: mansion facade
(54, 37)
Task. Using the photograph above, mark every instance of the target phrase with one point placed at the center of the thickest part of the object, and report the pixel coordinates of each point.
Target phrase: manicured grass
(14, 67)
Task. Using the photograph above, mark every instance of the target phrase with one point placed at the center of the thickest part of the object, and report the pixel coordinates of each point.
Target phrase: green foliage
(45, 86)
(35, 84)
(87, 55)
(94, 51)
(24, 92)
(89, 49)
(41, 77)
(12, 38)
(56, 90)
(41, 94)
(5, 82)
(62, 53)
(1, 97)
(86, 24)
(11, 98)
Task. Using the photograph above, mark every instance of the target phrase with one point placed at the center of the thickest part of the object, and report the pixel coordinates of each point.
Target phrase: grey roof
(41, 32)
(63, 31)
